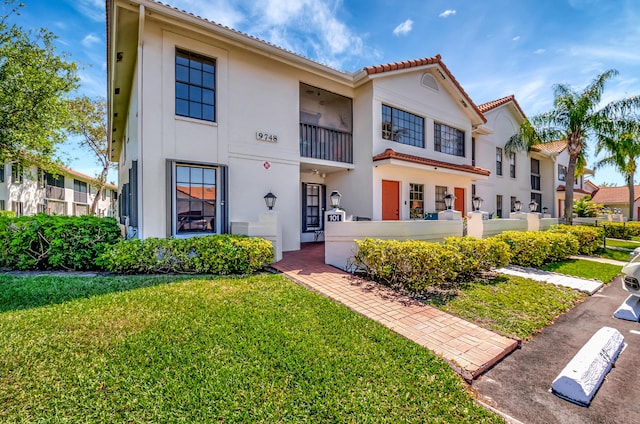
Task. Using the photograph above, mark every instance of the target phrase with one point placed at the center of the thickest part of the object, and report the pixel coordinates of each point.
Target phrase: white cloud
(404, 28)
(92, 9)
(516, 38)
(447, 13)
(90, 40)
(539, 51)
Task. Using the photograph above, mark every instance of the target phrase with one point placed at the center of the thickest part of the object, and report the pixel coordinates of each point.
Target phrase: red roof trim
(575, 190)
(486, 107)
(391, 154)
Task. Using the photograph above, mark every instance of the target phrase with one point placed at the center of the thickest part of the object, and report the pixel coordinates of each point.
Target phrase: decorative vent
(429, 81)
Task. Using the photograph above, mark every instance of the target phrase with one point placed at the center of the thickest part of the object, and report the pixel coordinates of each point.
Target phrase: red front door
(459, 202)
(390, 200)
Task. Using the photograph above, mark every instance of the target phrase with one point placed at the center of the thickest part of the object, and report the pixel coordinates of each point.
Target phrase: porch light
(335, 197)
(517, 205)
(533, 205)
(270, 200)
(448, 201)
(545, 210)
(477, 203)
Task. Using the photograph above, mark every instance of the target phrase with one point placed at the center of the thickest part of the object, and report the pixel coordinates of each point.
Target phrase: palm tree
(621, 140)
(575, 117)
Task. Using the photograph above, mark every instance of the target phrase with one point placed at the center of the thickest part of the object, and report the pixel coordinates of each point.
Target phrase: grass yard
(585, 269)
(511, 305)
(255, 349)
(618, 255)
(625, 244)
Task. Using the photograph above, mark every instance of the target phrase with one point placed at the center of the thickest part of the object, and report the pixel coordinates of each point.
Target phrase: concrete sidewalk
(468, 348)
(576, 283)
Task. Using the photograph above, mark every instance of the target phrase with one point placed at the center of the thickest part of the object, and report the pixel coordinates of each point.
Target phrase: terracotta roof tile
(557, 146)
(575, 190)
(609, 195)
(435, 60)
(391, 154)
(486, 107)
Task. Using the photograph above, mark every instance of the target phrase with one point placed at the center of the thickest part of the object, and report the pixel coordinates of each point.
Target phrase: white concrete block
(629, 310)
(583, 375)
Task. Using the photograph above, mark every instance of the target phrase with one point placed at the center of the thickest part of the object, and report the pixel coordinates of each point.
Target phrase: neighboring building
(618, 197)
(206, 121)
(30, 190)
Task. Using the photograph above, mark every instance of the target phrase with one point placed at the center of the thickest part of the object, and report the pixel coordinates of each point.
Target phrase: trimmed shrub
(220, 254)
(55, 242)
(590, 239)
(420, 265)
(533, 248)
(7, 214)
(621, 230)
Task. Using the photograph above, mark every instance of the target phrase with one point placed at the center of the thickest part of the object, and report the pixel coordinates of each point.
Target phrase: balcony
(80, 196)
(325, 143)
(54, 193)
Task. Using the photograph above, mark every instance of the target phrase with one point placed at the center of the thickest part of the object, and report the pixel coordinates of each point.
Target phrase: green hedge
(419, 265)
(536, 248)
(55, 242)
(590, 239)
(621, 230)
(216, 254)
(7, 214)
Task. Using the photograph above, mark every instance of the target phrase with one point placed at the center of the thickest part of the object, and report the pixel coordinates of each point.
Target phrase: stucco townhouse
(206, 121)
(27, 190)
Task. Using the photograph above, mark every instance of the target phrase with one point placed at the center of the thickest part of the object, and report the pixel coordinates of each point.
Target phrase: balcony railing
(80, 196)
(325, 143)
(53, 192)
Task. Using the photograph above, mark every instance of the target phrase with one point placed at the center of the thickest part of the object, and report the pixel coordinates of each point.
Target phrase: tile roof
(435, 60)
(74, 173)
(609, 195)
(557, 146)
(486, 107)
(575, 190)
(391, 154)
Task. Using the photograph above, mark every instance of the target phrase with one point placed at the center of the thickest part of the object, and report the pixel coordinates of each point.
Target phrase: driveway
(519, 385)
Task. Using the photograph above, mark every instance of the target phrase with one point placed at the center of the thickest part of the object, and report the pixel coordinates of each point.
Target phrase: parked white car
(631, 280)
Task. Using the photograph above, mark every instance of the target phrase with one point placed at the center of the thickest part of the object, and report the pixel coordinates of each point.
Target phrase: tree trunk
(631, 196)
(568, 188)
(102, 180)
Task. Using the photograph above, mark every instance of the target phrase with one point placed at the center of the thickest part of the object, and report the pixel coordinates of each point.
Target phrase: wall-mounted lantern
(334, 198)
(270, 200)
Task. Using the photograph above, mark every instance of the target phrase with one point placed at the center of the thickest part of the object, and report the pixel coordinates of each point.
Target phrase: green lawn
(167, 349)
(626, 244)
(511, 305)
(618, 255)
(585, 269)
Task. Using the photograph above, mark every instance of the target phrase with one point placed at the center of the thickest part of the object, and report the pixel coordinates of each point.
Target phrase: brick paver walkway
(468, 348)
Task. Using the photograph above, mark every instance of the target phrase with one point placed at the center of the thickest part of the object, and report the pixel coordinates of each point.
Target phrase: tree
(621, 140)
(575, 117)
(585, 207)
(33, 82)
(89, 121)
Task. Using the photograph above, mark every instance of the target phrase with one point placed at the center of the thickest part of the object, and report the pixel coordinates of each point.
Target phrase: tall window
(416, 201)
(441, 191)
(1, 173)
(17, 208)
(535, 174)
(313, 199)
(17, 173)
(79, 191)
(537, 197)
(513, 204)
(512, 165)
(562, 172)
(448, 139)
(499, 206)
(498, 161)
(473, 151)
(195, 199)
(401, 126)
(195, 86)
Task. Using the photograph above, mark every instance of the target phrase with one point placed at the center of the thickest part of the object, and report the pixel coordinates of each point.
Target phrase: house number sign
(336, 217)
(264, 136)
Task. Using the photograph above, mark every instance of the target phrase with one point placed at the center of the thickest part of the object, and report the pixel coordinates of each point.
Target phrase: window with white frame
(313, 206)
(195, 196)
(441, 191)
(448, 139)
(498, 161)
(17, 173)
(80, 209)
(56, 208)
(17, 208)
(562, 172)
(535, 174)
(402, 127)
(499, 206)
(512, 165)
(513, 203)
(80, 190)
(416, 201)
(195, 86)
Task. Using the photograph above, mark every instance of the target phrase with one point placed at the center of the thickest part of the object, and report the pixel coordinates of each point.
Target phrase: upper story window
(79, 191)
(17, 173)
(448, 140)
(401, 126)
(195, 86)
(512, 165)
(535, 174)
(562, 172)
(498, 161)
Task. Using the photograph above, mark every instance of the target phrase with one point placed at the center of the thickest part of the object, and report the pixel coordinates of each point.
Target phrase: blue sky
(494, 48)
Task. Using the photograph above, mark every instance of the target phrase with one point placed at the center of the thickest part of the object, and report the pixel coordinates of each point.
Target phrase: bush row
(531, 248)
(419, 265)
(621, 230)
(590, 239)
(55, 242)
(216, 254)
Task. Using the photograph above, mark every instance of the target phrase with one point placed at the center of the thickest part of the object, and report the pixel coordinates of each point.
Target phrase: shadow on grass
(26, 292)
(555, 266)
(441, 296)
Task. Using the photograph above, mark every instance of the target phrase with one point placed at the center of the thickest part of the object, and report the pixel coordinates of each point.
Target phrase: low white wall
(268, 227)
(546, 223)
(479, 228)
(601, 219)
(339, 245)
